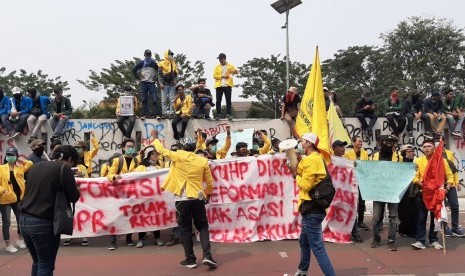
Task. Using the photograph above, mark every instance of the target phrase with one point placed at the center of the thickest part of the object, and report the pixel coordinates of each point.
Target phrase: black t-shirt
(291, 100)
(15, 185)
(36, 108)
(196, 92)
(43, 182)
(58, 103)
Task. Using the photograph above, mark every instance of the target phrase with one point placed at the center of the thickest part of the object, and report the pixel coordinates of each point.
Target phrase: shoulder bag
(63, 214)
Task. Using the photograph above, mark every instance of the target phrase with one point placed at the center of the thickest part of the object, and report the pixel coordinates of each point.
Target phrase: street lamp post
(282, 6)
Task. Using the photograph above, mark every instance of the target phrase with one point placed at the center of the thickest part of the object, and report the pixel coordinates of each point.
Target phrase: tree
(24, 80)
(112, 80)
(265, 79)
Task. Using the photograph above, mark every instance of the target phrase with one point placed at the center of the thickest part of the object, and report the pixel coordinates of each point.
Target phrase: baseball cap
(37, 143)
(147, 52)
(147, 151)
(222, 55)
(16, 90)
(80, 144)
(436, 94)
(11, 150)
(292, 89)
(339, 143)
(388, 138)
(325, 88)
(312, 138)
(209, 141)
(406, 147)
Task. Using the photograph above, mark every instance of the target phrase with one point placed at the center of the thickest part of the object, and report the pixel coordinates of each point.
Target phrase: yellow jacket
(396, 157)
(218, 73)
(104, 170)
(310, 171)
(200, 145)
(451, 158)
(188, 172)
(81, 168)
(350, 154)
(113, 171)
(166, 65)
(118, 107)
(266, 145)
(221, 154)
(422, 162)
(89, 155)
(19, 171)
(183, 107)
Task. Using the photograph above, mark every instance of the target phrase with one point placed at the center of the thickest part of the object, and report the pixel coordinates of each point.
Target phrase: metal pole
(287, 48)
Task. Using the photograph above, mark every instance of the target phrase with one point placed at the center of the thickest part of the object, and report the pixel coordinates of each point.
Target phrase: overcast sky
(68, 38)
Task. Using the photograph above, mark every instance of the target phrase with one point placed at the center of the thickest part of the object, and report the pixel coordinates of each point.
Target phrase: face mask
(11, 159)
(299, 147)
(130, 151)
(213, 149)
(79, 150)
(17, 96)
(255, 147)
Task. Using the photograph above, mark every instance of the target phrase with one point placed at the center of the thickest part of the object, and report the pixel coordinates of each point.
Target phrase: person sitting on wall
(413, 110)
(433, 111)
(182, 106)
(365, 108)
(18, 112)
(394, 108)
(203, 100)
(39, 113)
(60, 110)
(290, 109)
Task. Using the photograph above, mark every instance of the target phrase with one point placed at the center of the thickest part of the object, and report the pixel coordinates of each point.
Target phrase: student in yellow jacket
(183, 111)
(223, 75)
(12, 186)
(185, 181)
(86, 156)
(129, 164)
(266, 143)
(311, 171)
(213, 152)
(150, 162)
(356, 152)
(428, 149)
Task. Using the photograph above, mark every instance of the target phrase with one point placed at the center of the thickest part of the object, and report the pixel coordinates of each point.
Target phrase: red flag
(433, 182)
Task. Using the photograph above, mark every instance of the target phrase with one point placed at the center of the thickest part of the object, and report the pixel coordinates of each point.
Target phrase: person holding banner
(311, 170)
(386, 153)
(428, 149)
(185, 181)
(149, 162)
(358, 153)
(126, 107)
(212, 151)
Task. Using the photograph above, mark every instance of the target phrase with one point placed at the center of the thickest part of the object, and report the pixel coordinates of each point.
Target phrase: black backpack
(323, 193)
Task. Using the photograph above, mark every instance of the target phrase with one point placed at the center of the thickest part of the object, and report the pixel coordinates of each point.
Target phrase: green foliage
(265, 79)
(42, 82)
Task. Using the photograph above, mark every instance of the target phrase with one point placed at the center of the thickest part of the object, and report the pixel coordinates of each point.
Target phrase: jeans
(396, 122)
(18, 126)
(455, 126)
(5, 210)
(41, 243)
(167, 98)
(58, 124)
(362, 118)
(226, 90)
(454, 207)
(421, 223)
(188, 210)
(131, 121)
(378, 215)
(311, 239)
(178, 118)
(40, 122)
(148, 90)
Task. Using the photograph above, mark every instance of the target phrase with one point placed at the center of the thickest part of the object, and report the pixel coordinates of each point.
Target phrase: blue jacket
(44, 103)
(5, 105)
(25, 105)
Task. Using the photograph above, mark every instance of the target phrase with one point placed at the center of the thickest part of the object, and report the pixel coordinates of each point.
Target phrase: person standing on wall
(39, 113)
(146, 72)
(60, 110)
(37, 207)
(223, 75)
(311, 170)
(185, 181)
(167, 79)
(290, 109)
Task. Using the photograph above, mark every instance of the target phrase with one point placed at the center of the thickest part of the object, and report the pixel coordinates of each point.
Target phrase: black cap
(436, 93)
(339, 143)
(209, 141)
(388, 138)
(11, 150)
(148, 53)
(222, 55)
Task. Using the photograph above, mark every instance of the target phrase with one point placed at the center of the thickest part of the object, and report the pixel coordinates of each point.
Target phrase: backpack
(323, 193)
(121, 162)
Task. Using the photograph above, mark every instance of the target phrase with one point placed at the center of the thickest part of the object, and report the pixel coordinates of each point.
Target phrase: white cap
(325, 88)
(312, 138)
(16, 90)
(147, 151)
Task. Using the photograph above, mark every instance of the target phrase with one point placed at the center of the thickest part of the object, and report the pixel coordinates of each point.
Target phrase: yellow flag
(312, 114)
(335, 126)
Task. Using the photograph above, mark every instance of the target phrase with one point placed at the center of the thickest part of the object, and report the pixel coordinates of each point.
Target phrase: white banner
(338, 223)
(253, 199)
(126, 105)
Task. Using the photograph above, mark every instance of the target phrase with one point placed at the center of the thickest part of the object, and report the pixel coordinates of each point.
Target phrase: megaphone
(288, 146)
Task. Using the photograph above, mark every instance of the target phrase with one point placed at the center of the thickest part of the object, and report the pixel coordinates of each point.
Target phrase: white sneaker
(11, 249)
(436, 245)
(418, 245)
(21, 244)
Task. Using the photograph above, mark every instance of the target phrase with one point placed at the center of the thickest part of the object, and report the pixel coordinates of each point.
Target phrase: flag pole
(443, 238)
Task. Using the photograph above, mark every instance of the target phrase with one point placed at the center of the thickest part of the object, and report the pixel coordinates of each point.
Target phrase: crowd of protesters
(407, 218)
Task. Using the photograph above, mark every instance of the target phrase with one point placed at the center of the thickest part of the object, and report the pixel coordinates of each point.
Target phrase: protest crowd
(189, 177)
